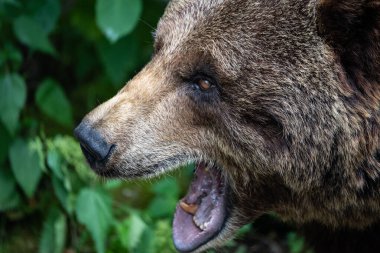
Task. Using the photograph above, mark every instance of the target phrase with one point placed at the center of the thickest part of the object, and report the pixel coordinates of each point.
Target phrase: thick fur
(294, 120)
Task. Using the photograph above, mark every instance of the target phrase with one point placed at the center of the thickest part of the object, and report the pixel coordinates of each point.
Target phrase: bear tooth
(188, 208)
(198, 224)
(195, 221)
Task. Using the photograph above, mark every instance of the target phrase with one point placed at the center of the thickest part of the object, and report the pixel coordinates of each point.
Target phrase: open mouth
(201, 214)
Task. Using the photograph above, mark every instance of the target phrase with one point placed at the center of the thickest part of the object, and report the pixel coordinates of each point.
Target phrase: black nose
(94, 146)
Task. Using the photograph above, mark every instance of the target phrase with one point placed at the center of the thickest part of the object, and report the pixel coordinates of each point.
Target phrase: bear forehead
(237, 19)
(233, 31)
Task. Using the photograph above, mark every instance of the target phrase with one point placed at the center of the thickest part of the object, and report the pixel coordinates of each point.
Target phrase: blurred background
(58, 60)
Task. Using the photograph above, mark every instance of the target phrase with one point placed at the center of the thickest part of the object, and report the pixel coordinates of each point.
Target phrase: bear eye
(204, 89)
(204, 84)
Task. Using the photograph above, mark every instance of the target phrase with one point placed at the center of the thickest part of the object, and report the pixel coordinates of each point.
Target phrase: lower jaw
(201, 214)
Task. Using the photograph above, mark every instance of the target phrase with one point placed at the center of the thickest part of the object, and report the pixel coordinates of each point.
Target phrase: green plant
(42, 172)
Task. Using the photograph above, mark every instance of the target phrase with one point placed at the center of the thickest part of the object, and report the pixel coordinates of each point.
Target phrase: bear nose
(94, 146)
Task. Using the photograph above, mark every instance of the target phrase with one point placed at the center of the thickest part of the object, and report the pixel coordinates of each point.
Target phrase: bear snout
(93, 144)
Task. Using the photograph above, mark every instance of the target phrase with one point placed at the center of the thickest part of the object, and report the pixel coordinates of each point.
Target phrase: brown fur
(294, 122)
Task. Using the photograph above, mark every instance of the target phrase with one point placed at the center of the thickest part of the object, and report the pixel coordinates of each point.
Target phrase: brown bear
(278, 104)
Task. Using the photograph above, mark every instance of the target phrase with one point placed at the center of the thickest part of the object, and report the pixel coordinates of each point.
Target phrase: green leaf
(26, 163)
(62, 195)
(117, 18)
(9, 197)
(29, 32)
(81, 20)
(45, 12)
(93, 210)
(147, 242)
(9, 9)
(117, 68)
(12, 100)
(36, 145)
(54, 233)
(130, 231)
(70, 151)
(167, 194)
(12, 2)
(244, 230)
(163, 234)
(161, 207)
(113, 184)
(10, 55)
(54, 162)
(52, 101)
(296, 243)
(167, 187)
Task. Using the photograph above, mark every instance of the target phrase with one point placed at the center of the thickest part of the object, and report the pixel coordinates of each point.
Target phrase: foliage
(59, 59)
(51, 99)
(117, 18)
(26, 164)
(54, 232)
(13, 91)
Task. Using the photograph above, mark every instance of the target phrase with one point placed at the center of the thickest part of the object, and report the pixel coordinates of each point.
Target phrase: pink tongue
(207, 192)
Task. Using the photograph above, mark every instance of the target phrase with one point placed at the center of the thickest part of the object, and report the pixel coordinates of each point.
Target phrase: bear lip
(201, 214)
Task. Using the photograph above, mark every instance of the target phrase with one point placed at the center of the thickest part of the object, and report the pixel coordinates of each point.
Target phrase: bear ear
(352, 29)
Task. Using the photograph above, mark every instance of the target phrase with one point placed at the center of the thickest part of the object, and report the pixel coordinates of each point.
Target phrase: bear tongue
(200, 215)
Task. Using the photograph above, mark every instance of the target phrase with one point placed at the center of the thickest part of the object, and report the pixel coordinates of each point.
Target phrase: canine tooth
(198, 224)
(196, 221)
(188, 208)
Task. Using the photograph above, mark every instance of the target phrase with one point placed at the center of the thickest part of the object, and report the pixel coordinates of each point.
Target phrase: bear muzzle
(94, 146)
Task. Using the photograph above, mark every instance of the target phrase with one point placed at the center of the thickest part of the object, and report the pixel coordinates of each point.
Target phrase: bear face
(277, 102)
